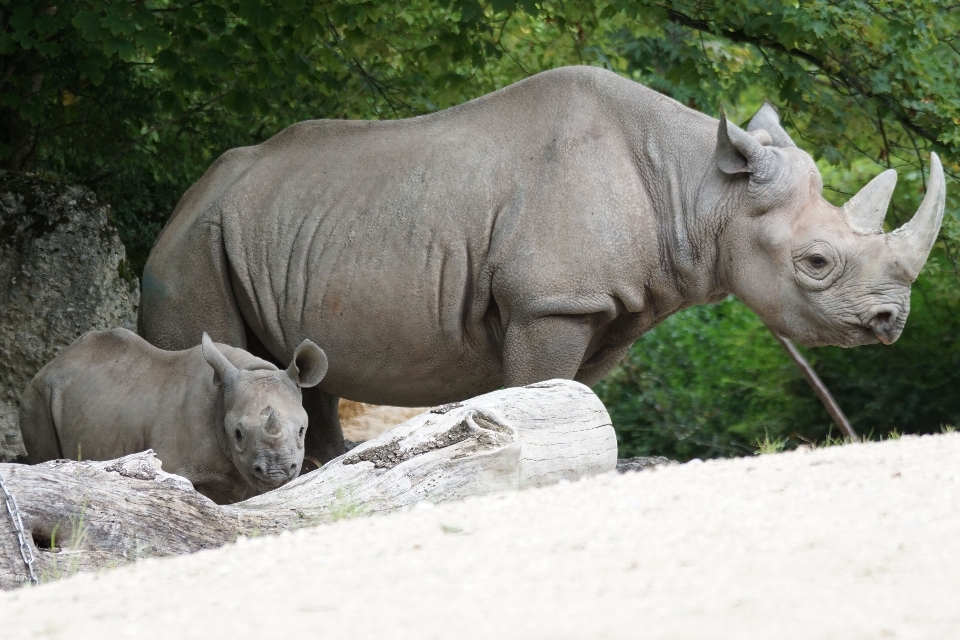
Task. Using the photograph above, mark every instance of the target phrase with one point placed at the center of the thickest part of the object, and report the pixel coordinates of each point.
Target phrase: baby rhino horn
(272, 427)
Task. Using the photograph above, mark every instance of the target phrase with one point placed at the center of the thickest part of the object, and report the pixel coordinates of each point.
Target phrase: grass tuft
(768, 445)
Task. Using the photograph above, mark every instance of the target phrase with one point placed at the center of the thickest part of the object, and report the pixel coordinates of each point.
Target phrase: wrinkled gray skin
(227, 421)
(534, 233)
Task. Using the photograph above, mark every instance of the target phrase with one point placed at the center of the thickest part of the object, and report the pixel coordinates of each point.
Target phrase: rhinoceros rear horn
(913, 241)
(224, 373)
(866, 210)
(740, 152)
(309, 365)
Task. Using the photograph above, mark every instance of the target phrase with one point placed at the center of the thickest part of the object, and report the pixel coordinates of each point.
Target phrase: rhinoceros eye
(818, 265)
(301, 432)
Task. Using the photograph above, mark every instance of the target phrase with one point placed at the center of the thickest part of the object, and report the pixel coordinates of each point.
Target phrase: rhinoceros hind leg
(186, 290)
(324, 439)
(40, 410)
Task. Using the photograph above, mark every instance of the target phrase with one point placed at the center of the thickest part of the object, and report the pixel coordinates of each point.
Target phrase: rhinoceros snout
(275, 474)
(884, 322)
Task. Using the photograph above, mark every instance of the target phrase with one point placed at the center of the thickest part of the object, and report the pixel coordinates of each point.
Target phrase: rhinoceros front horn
(913, 241)
(866, 210)
(272, 427)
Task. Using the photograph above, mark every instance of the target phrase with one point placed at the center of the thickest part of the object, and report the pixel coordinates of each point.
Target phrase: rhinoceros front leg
(324, 438)
(599, 365)
(186, 290)
(545, 348)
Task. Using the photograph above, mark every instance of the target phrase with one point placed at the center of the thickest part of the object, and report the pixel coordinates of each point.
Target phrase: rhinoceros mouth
(847, 334)
(857, 335)
(268, 485)
(265, 476)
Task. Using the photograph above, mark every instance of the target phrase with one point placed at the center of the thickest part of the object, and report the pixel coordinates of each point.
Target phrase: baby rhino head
(264, 422)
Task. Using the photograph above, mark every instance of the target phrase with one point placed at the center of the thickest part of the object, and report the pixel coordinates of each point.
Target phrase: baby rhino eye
(817, 261)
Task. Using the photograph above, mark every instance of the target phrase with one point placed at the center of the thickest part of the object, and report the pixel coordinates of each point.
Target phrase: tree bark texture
(81, 516)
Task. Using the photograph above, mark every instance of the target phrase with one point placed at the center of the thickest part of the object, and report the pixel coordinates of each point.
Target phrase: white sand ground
(859, 541)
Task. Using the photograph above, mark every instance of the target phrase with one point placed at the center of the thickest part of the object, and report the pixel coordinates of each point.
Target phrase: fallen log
(82, 516)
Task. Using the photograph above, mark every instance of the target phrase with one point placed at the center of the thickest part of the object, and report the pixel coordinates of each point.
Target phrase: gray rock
(63, 272)
(639, 464)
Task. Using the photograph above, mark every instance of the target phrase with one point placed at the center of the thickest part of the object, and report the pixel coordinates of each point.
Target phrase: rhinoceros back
(102, 397)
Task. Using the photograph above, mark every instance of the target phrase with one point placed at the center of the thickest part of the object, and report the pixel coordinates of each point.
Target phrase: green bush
(710, 381)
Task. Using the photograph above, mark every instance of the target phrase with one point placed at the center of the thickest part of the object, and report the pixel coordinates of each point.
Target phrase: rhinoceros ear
(309, 365)
(767, 119)
(224, 373)
(740, 152)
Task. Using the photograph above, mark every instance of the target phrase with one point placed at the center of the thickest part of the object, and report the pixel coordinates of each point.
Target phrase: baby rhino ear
(309, 365)
(224, 373)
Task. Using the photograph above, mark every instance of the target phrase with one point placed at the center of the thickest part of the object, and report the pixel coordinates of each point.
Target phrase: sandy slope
(860, 541)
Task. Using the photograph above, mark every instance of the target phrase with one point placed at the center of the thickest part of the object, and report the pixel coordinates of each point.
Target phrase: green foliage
(135, 98)
(862, 85)
(708, 382)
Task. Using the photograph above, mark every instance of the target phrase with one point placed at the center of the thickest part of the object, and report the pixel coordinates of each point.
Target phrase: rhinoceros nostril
(883, 325)
(257, 469)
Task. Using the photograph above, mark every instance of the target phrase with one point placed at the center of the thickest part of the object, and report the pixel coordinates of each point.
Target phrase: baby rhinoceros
(234, 432)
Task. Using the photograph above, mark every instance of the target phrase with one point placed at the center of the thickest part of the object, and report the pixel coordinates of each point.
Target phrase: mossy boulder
(63, 272)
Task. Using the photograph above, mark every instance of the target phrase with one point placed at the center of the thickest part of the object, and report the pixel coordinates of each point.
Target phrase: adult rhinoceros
(530, 234)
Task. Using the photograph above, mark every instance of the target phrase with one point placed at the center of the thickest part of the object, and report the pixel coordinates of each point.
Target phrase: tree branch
(818, 387)
(853, 82)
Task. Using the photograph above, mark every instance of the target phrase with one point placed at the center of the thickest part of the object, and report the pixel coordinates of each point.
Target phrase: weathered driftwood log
(86, 515)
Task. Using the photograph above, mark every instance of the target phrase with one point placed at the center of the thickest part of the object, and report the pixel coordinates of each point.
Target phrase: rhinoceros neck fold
(673, 149)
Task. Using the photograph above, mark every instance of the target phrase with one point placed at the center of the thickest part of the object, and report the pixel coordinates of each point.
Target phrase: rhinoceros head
(263, 418)
(814, 272)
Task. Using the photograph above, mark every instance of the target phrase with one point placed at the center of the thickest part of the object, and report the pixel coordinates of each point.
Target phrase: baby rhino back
(104, 395)
(222, 418)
